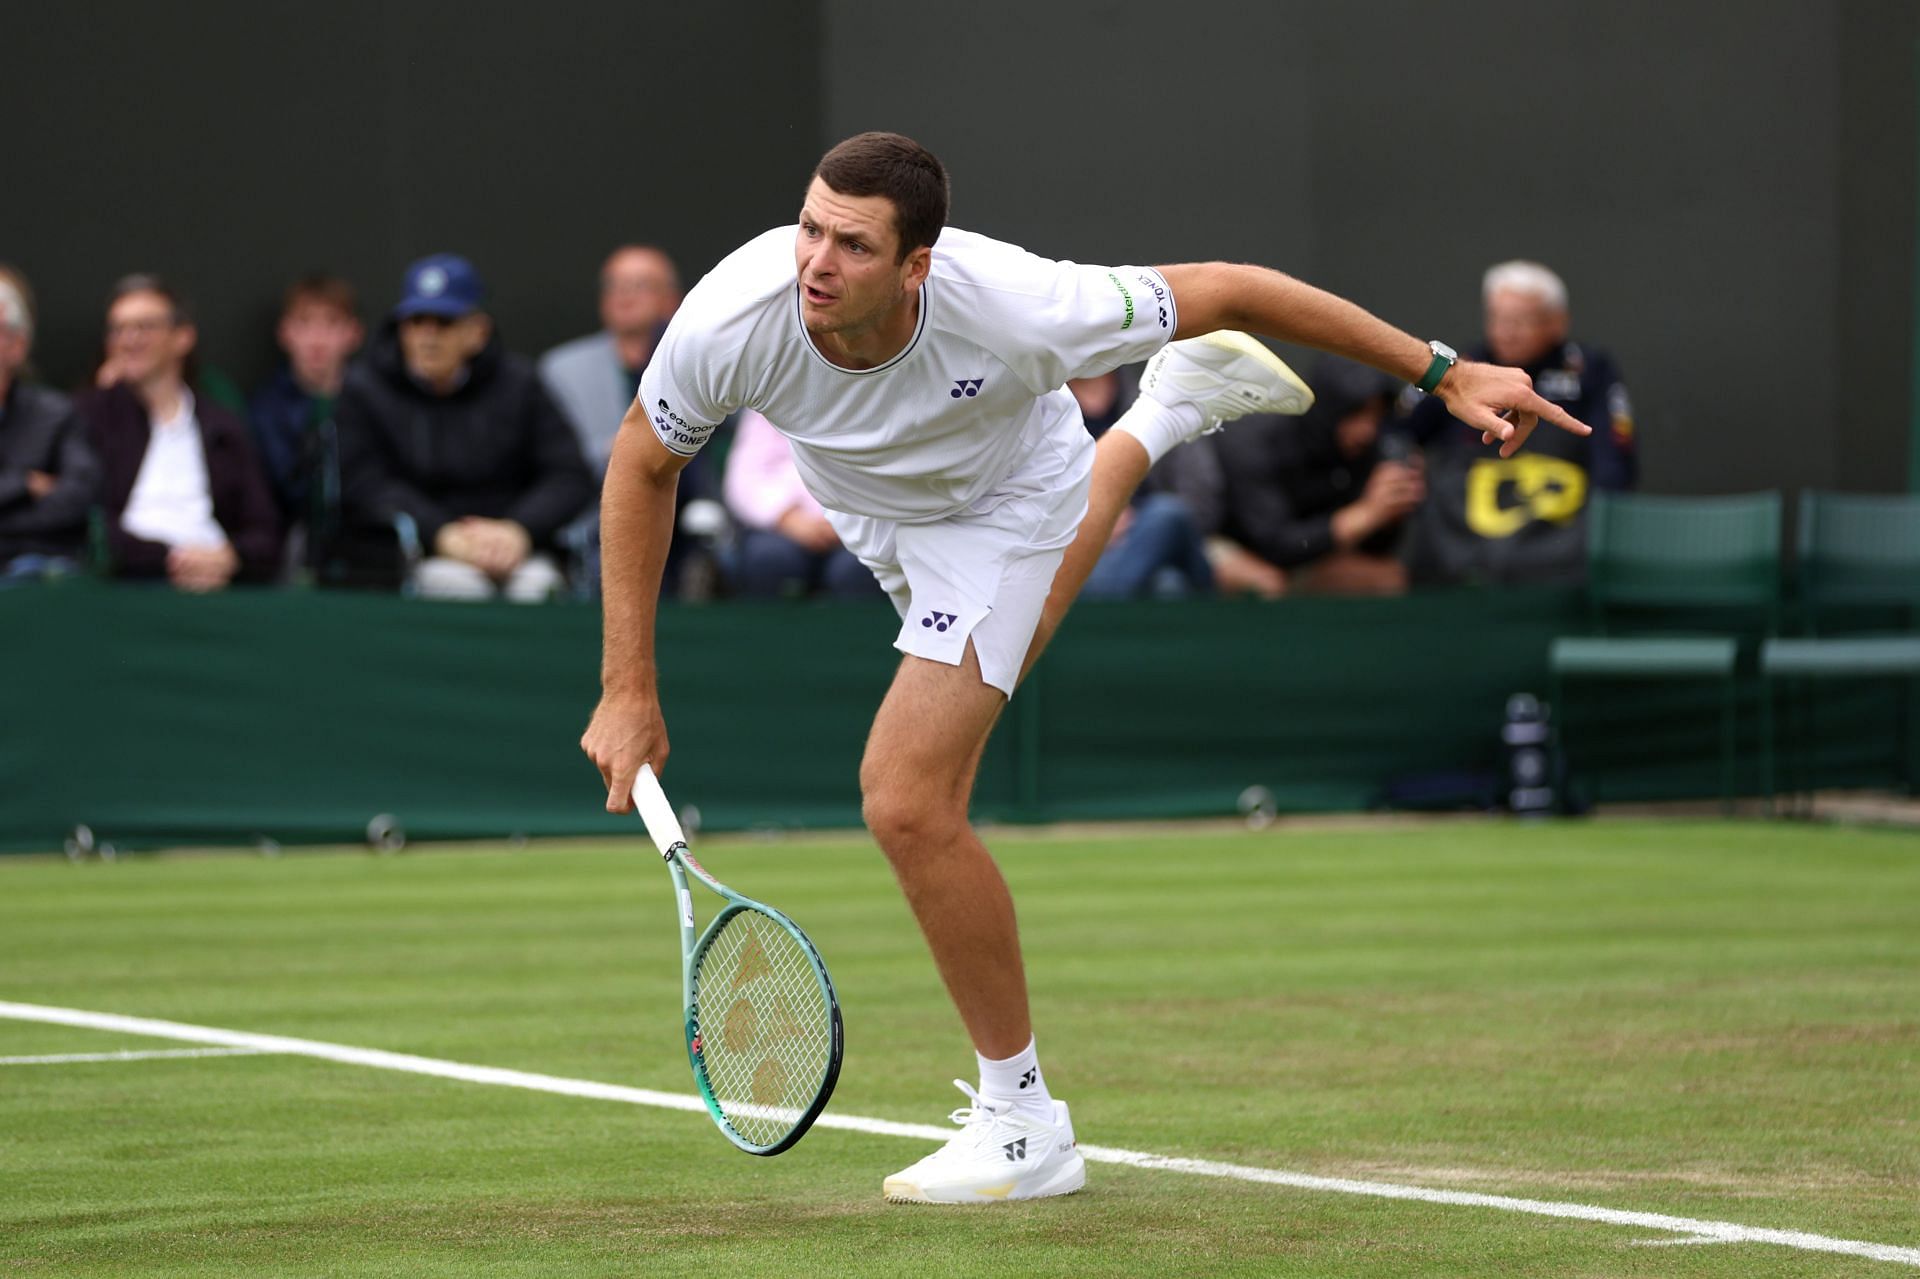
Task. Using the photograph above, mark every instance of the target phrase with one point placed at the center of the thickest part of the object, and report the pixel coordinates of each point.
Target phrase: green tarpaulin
(297, 716)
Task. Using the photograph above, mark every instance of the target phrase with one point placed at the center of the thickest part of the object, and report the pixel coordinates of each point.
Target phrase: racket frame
(664, 827)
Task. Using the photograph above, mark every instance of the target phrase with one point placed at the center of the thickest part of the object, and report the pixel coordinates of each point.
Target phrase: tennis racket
(763, 1026)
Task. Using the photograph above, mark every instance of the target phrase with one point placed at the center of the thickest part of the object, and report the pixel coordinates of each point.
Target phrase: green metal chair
(1660, 570)
(1859, 584)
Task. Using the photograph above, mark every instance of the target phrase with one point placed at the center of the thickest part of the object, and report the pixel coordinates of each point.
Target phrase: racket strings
(765, 1026)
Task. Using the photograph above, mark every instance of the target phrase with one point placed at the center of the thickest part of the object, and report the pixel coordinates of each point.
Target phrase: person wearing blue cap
(443, 429)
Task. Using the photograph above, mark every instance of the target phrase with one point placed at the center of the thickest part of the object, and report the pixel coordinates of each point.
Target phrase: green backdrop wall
(154, 717)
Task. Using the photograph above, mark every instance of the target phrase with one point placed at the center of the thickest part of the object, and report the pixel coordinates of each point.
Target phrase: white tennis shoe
(998, 1154)
(1225, 375)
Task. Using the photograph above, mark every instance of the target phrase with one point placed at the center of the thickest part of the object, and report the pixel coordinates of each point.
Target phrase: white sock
(1160, 428)
(1017, 1079)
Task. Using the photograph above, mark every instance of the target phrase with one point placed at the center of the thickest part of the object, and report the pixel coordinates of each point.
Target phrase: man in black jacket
(452, 440)
(48, 471)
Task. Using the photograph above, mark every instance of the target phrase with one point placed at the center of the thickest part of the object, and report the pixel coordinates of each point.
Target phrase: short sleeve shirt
(935, 429)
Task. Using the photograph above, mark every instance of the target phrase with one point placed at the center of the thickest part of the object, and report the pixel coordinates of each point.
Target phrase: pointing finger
(1558, 416)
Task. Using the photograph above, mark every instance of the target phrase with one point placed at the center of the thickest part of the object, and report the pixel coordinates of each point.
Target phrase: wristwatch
(1444, 358)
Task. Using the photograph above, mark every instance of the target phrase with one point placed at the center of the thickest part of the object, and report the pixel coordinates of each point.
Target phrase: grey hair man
(1512, 520)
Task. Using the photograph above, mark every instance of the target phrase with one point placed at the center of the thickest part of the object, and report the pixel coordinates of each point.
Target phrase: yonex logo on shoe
(1027, 1080)
(940, 621)
(1016, 1150)
(967, 386)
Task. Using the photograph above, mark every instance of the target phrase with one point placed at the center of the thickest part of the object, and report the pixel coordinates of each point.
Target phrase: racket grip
(656, 812)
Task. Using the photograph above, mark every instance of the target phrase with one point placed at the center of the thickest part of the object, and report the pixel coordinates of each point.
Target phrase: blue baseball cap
(445, 284)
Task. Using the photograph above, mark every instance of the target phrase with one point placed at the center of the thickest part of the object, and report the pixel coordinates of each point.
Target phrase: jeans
(767, 565)
(33, 567)
(1161, 553)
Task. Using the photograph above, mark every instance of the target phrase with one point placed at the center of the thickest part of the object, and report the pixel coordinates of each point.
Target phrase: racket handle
(656, 812)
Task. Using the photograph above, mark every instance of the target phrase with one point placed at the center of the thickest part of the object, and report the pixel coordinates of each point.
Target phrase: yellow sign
(1504, 495)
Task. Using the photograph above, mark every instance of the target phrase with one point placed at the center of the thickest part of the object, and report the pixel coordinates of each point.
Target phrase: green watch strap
(1435, 371)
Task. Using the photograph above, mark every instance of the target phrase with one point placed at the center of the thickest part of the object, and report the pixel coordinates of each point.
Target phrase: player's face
(847, 255)
(1521, 328)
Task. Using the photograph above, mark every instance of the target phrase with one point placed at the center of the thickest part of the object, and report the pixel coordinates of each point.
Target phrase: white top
(171, 501)
(935, 429)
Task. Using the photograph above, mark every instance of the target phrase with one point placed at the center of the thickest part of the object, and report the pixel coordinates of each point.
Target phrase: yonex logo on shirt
(940, 621)
(967, 386)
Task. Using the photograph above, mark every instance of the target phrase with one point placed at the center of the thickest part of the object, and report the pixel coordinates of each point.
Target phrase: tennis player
(919, 372)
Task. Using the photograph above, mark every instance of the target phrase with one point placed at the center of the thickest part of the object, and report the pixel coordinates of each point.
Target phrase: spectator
(48, 471)
(1155, 548)
(1522, 519)
(594, 380)
(444, 432)
(1305, 504)
(183, 494)
(786, 547)
(292, 415)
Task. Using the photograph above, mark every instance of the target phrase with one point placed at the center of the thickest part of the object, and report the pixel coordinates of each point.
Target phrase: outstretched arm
(1226, 295)
(636, 524)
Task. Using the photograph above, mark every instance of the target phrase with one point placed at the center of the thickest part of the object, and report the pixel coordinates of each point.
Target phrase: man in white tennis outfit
(920, 372)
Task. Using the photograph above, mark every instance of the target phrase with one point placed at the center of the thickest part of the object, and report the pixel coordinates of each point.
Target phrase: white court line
(155, 1054)
(1718, 1231)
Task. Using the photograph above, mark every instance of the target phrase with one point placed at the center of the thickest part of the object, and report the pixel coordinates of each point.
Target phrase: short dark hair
(146, 282)
(902, 170)
(321, 289)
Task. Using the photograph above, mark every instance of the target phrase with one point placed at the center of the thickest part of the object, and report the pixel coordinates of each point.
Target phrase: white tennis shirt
(933, 430)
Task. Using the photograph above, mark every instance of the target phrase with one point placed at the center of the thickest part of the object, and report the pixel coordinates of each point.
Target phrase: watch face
(1441, 348)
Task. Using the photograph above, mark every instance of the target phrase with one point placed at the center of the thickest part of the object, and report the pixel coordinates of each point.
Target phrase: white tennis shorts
(984, 573)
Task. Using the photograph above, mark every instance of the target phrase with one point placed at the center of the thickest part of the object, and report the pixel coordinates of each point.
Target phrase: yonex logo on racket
(967, 386)
(940, 621)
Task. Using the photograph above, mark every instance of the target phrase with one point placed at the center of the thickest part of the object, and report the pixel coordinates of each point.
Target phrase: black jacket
(495, 447)
(39, 431)
(1489, 519)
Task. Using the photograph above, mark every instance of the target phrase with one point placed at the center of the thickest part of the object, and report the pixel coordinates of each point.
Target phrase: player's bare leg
(915, 783)
(1119, 465)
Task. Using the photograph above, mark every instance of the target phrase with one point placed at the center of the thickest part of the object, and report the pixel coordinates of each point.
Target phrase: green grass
(1709, 1020)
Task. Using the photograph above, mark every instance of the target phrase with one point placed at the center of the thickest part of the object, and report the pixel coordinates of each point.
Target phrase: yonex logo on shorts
(967, 386)
(940, 621)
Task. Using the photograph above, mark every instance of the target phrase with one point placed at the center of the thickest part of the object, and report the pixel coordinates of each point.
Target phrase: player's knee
(904, 816)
